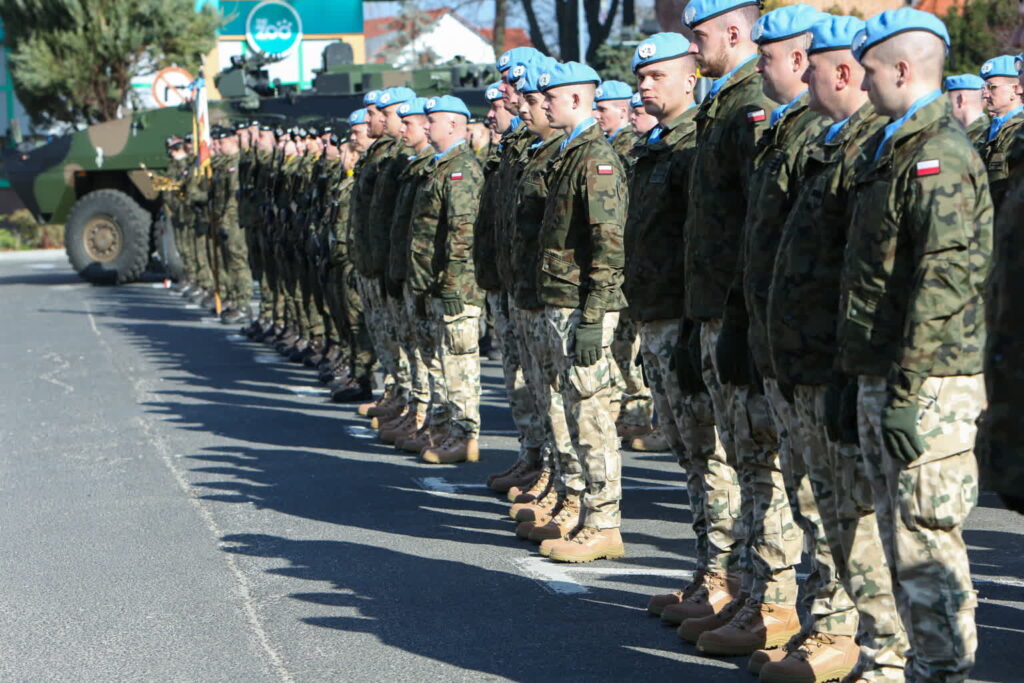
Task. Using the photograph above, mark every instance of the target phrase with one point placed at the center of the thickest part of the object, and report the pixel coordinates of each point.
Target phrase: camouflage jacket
(177, 170)
(779, 158)
(408, 181)
(484, 256)
(530, 198)
(978, 131)
(654, 281)
(224, 191)
(581, 248)
(341, 194)
(265, 175)
(1000, 154)
(803, 300)
(513, 161)
(288, 178)
(441, 230)
(301, 202)
(367, 171)
(382, 206)
(247, 200)
(917, 255)
(623, 144)
(728, 125)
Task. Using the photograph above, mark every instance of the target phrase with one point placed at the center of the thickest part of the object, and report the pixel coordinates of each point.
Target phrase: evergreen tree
(73, 61)
(978, 30)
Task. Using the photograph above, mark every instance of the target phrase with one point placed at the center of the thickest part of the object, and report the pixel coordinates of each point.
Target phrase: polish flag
(604, 169)
(756, 116)
(930, 167)
(456, 176)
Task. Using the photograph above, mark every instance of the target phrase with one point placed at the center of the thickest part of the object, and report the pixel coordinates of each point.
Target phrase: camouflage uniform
(653, 285)
(978, 131)
(728, 125)
(581, 254)
(174, 211)
(303, 211)
(266, 175)
(801, 322)
(497, 224)
(440, 264)
(998, 155)
(280, 237)
(318, 247)
(198, 196)
(912, 328)
(237, 277)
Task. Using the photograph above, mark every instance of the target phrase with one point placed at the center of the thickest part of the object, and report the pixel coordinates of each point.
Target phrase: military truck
(99, 181)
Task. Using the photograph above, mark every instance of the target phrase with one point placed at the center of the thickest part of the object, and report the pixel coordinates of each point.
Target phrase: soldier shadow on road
(45, 278)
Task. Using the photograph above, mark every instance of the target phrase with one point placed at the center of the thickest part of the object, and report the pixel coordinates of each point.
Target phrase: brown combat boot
(691, 629)
(629, 432)
(715, 592)
(565, 518)
(587, 544)
(536, 490)
(655, 442)
(365, 408)
(455, 449)
(758, 625)
(658, 603)
(762, 657)
(408, 425)
(820, 657)
(517, 481)
(426, 437)
(535, 509)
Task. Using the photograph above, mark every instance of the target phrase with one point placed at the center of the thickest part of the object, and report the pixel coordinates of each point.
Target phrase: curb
(33, 255)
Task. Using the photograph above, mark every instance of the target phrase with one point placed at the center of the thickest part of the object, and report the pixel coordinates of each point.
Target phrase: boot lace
(803, 650)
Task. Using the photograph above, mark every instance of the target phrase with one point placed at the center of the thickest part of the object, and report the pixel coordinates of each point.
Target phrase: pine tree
(978, 30)
(73, 61)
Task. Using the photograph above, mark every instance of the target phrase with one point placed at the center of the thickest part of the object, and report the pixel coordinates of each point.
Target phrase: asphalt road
(177, 504)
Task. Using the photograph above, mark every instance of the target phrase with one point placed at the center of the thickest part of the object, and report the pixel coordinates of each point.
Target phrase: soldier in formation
(801, 285)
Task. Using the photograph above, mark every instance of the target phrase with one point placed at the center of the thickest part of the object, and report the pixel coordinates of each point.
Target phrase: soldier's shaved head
(833, 79)
(903, 69)
(445, 128)
(782, 63)
(568, 105)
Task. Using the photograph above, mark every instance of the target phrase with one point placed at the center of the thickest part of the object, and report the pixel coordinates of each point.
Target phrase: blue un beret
(568, 73)
(784, 23)
(699, 11)
(1003, 65)
(612, 90)
(416, 105)
(636, 100)
(893, 22)
(395, 96)
(528, 81)
(371, 98)
(658, 48)
(965, 82)
(516, 54)
(446, 103)
(519, 68)
(357, 117)
(834, 33)
(493, 92)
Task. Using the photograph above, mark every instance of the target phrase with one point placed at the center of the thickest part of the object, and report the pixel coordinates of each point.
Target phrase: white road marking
(64, 288)
(550, 575)
(237, 338)
(306, 391)
(361, 432)
(209, 320)
(443, 485)
(43, 266)
(267, 358)
(192, 306)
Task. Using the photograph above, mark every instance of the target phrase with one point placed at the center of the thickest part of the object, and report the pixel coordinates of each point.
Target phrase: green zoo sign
(274, 28)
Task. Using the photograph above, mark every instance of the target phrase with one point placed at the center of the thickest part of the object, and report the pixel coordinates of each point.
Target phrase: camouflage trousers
(429, 393)
(291, 291)
(927, 502)
(204, 272)
(525, 414)
(541, 370)
(347, 310)
(183, 240)
(273, 293)
(309, 283)
(458, 343)
(686, 420)
(381, 327)
(586, 396)
(237, 277)
(842, 489)
(631, 393)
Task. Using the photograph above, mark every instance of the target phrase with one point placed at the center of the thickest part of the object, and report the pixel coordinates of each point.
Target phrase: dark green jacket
(367, 171)
(655, 279)
(917, 256)
(581, 235)
(382, 207)
(484, 256)
(441, 229)
(513, 161)
(531, 196)
(978, 131)
(409, 180)
(1001, 154)
(623, 144)
(803, 301)
(727, 128)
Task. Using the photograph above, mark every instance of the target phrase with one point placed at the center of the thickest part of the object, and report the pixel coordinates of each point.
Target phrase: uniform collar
(722, 81)
(835, 129)
(616, 133)
(441, 155)
(894, 126)
(578, 130)
(663, 130)
(999, 121)
(779, 112)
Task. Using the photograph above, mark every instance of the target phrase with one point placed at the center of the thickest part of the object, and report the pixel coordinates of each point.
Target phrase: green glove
(452, 302)
(588, 343)
(899, 431)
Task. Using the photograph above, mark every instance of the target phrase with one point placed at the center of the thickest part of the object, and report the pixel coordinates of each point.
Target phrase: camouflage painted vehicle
(99, 181)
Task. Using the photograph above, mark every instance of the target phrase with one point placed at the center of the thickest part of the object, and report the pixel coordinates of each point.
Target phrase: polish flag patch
(756, 116)
(605, 169)
(930, 167)
(455, 176)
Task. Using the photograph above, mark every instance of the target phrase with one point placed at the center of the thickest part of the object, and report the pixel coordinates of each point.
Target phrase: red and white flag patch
(605, 169)
(455, 176)
(930, 167)
(756, 116)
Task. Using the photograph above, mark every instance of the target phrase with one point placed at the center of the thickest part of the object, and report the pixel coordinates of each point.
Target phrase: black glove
(452, 302)
(733, 356)
(394, 288)
(848, 431)
(833, 400)
(686, 359)
(899, 431)
(588, 344)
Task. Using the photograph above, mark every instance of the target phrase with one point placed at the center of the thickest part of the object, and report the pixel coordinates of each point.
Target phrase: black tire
(167, 249)
(107, 237)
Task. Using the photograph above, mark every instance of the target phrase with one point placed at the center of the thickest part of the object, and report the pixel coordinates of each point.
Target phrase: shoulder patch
(455, 176)
(756, 116)
(926, 168)
(605, 169)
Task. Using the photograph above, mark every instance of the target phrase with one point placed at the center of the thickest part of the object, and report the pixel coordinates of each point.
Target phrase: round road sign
(273, 27)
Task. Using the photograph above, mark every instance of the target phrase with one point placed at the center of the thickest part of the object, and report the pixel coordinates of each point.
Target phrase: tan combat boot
(534, 510)
(655, 442)
(758, 625)
(821, 657)
(424, 437)
(365, 408)
(406, 426)
(565, 519)
(498, 475)
(629, 432)
(762, 657)
(658, 603)
(715, 592)
(455, 449)
(691, 629)
(535, 491)
(587, 544)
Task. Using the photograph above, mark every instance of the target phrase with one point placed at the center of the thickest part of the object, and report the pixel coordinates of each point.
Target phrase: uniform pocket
(586, 382)
(558, 266)
(940, 493)
(461, 335)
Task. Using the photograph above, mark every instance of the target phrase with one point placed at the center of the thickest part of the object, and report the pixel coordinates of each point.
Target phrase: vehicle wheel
(107, 237)
(167, 248)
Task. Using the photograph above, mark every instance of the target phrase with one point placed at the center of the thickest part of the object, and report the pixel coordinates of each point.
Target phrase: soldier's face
(392, 121)
(641, 120)
(413, 130)
(881, 84)
(560, 105)
(361, 139)
(666, 87)
(375, 121)
(536, 120)
(782, 65)
(229, 146)
(824, 79)
(507, 95)
(612, 115)
(1001, 94)
(712, 41)
(331, 152)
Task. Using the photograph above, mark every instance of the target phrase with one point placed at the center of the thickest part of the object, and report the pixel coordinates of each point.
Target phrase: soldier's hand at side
(899, 431)
(588, 343)
(452, 302)
(732, 355)
(848, 431)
